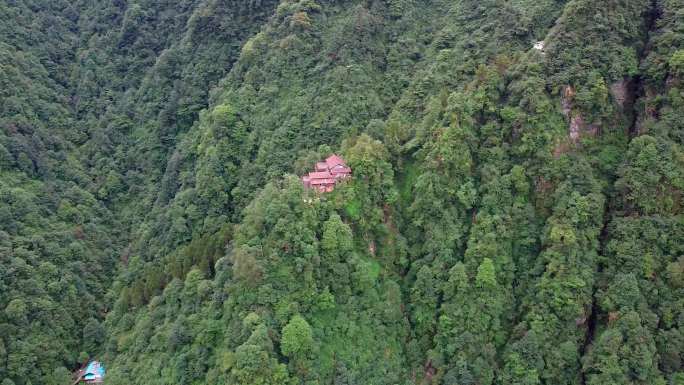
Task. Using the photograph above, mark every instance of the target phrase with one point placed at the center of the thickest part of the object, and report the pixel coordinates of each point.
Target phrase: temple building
(327, 174)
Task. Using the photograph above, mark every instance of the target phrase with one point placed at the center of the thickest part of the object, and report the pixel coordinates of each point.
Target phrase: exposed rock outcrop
(622, 93)
(577, 124)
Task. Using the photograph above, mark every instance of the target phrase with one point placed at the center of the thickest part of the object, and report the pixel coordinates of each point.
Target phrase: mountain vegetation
(515, 213)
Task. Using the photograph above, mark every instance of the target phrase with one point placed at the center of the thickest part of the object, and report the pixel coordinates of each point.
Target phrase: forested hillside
(515, 213)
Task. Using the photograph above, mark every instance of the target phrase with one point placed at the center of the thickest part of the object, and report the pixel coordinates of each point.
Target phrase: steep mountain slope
(70, 74)
(489, 234)
(514, 215)
(57, 241)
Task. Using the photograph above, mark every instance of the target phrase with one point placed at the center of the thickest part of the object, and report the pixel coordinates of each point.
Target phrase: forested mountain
(515, 213)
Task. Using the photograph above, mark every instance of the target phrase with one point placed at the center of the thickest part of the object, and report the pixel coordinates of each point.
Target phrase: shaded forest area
(515, 214)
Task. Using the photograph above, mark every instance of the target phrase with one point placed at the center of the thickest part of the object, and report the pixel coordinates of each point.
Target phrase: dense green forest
(515, 213)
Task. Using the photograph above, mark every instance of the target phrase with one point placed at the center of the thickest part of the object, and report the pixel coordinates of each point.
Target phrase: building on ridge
(327, 174)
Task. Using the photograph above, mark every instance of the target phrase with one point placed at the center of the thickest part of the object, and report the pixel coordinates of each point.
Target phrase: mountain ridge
(513, 217)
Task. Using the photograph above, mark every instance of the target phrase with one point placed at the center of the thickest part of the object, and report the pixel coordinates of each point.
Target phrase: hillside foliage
(515, 214)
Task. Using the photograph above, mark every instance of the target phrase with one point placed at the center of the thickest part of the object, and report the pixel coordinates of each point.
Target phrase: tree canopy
(514, 214)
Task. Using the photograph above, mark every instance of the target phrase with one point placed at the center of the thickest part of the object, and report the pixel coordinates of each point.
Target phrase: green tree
(297, 338)
(93, 335)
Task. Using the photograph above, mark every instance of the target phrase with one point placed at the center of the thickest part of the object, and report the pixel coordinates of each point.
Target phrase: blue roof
(94, 370)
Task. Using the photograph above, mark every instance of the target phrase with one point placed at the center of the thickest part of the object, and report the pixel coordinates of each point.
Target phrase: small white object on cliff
(539, 46)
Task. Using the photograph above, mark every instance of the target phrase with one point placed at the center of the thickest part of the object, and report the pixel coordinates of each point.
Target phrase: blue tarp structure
(95, 371)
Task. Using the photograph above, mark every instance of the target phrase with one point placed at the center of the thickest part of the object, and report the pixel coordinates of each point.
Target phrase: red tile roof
(318, 175)
(327, 174)
(342, 170)
(334, 160)
(317, 182)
